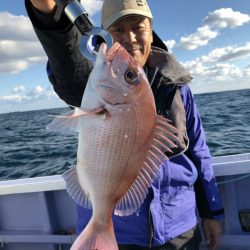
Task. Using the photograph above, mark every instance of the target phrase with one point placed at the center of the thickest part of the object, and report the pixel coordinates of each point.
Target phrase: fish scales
(115, 148)
(121, 143)
(101, 160)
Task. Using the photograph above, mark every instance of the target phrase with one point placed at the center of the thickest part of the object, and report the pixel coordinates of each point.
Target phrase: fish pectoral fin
(137, 193)
(70, 121)
(81, 112)
(74, 188)
(77, 112)
(163, 140)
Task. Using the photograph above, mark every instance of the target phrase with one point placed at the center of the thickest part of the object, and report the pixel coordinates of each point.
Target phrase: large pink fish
(122, 142)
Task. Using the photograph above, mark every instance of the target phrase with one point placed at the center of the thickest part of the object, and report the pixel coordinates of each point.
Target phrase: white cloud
(16, 28)
(92, 6)
(170, 44)
(13, 50)
(18, 89)
(226, 17)
(19, 46)
(228, 53)
(37, 98)
(213, 23)
(200, 38)
(13, 67)
(10, 99)
(224, 72)
(219, 77)
(38, 90)
(214, 72)
(23, 96)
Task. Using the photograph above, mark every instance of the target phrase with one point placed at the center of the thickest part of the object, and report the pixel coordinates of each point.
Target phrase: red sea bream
(121, 144)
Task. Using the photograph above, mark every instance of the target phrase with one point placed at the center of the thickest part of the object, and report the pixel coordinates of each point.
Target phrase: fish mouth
(109, 54)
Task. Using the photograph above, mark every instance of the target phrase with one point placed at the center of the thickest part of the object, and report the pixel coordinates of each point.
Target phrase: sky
(210, 38)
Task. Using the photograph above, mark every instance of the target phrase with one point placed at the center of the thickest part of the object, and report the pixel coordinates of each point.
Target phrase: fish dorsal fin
(163, 140)
(74, 189)
(70, 121)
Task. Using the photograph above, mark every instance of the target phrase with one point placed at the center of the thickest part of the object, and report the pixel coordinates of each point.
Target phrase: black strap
(150, 230)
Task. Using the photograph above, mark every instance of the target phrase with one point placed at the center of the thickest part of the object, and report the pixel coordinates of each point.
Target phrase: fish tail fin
(95, 237)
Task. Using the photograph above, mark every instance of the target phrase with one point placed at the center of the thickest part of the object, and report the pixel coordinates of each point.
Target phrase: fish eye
(131, 76)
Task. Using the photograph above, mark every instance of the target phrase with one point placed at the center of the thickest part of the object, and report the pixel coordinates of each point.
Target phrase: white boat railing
(28, 185)
(231, 164)
(223, 166)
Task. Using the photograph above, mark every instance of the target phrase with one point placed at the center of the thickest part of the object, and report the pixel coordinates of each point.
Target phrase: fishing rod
(79, 17)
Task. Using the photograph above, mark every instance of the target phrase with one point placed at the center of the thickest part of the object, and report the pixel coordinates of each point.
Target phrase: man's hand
(45, 6)
(212, 231)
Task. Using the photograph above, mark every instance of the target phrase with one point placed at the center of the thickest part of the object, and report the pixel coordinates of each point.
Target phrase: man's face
(134, 33)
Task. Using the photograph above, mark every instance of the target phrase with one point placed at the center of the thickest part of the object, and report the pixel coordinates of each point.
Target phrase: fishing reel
(92, 36)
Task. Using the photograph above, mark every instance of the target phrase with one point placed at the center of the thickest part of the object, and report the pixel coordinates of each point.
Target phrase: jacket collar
(167, 66)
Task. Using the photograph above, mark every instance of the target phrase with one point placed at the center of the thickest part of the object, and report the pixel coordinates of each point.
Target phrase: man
(167, 218)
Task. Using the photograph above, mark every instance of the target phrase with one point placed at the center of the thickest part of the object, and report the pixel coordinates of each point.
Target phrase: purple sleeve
(207, 194)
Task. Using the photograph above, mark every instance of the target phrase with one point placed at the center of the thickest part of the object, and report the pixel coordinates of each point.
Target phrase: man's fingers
(213, 242)
(216, 242)
(212, 232)
(207, 236)
(209, 240)
(210, 245)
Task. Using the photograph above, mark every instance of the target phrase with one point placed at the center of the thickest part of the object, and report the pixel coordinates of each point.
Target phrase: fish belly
(110, 155)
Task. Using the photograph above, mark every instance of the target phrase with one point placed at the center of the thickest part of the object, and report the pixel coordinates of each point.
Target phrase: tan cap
(113, 10)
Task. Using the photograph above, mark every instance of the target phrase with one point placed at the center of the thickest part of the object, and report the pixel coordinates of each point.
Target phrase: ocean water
(28, 150)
